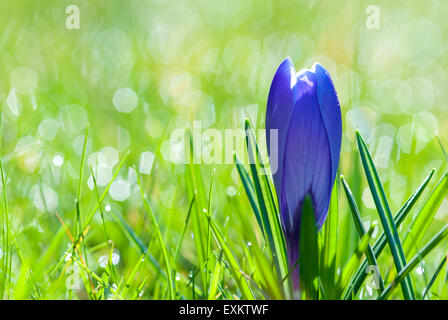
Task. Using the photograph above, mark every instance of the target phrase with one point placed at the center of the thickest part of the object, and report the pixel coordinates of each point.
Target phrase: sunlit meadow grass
(93, 208)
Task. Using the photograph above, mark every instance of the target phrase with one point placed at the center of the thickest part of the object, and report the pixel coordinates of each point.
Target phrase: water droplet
(68, 256)
(58, 160)
(115, 258)
(231, 191)
(420, 269)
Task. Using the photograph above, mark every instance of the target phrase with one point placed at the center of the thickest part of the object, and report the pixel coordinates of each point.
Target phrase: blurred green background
(136, 70)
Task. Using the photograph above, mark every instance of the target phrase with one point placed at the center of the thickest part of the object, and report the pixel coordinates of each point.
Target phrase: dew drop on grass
(107, 208)
(58, 160)
(125, 100)
(120, 190)
(115, 258)
(231, 191)
(102, 261)
(68, 256)
(420, 269)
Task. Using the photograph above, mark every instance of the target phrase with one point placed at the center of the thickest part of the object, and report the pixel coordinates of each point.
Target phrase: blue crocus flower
(303, 106)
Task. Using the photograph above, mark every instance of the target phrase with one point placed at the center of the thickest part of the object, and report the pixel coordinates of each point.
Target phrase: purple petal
(331, 114)
(280, 106)
(307, 158)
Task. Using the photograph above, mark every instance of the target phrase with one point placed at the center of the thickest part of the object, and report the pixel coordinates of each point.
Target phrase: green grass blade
(442, 148)
(184, 229)
(309, 252)
(329, 240)
(414, 262)
(106, 190)
(268, 207)
(171, 283)
(235, 269)
(422, 221)
(138, 242)
(209, 212)
(386, 218)
(215, 279)
(434, 277)
(249, 188)
(380, 244)
(353, 263)
(6, 231)
(370, 254)
(195, 187)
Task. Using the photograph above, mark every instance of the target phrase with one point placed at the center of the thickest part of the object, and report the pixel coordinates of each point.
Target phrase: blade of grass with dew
(209, 212)
(442, 148)
(421, 222)
(348, 270)
(233, 264)
(79, 234)
(184, 229)
(7, 255)
(135, 239)
(414, 262)
(106, 191)
(360, 227)
(105, 233)
(268, 207)
(380, 244)
(195, 187)
(249, 188)
(130, 279)
(434, 277)
(384, 212)
(264, 274)
(96, 277)
(171, 284)
(215, 279)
